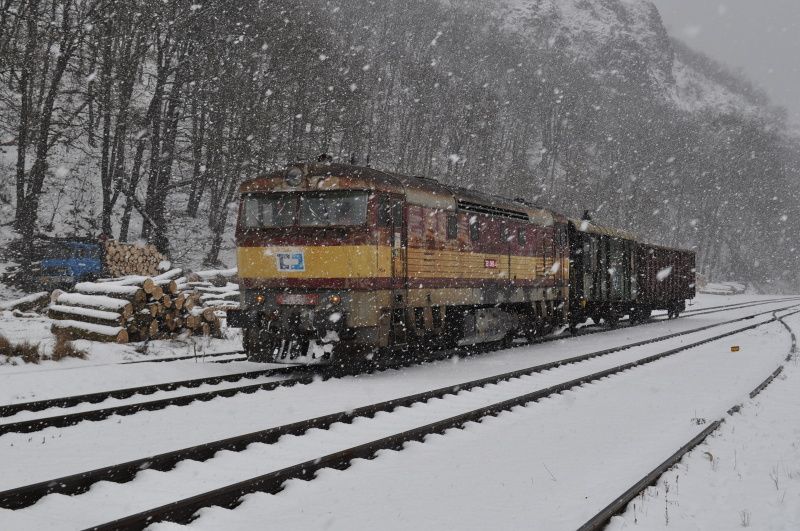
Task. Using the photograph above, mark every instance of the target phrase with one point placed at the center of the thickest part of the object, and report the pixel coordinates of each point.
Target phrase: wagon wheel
(612, 318)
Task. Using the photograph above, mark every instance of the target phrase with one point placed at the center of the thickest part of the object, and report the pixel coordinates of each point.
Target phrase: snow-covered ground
(550, 465)
(746, 475)
(545, 466)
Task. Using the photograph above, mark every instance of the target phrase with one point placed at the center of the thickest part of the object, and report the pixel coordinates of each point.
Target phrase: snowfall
(550, 465)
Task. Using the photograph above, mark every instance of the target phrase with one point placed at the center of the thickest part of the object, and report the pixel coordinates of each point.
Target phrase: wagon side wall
(664, 275)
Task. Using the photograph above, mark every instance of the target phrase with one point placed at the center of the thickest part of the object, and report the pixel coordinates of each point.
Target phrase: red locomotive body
(344, 263)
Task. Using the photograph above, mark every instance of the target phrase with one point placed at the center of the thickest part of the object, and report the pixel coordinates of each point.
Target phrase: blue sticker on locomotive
(291, 262)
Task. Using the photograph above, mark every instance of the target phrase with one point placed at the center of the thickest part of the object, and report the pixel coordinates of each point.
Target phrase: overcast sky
(760, 37)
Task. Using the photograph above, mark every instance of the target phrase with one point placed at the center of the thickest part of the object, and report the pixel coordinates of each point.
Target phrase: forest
(129, 114)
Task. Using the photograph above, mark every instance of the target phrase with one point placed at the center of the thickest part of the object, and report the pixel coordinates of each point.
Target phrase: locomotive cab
(315, 254)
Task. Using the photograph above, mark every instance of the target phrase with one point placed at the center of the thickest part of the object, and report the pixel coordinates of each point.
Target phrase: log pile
(123, 259)
(141, 308)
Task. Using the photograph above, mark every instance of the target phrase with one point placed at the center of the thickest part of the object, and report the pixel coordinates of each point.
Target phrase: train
(344, 264)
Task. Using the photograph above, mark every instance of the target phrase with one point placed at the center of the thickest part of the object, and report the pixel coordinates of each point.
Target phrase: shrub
(27, 351)
(65, 349)
(5, 346)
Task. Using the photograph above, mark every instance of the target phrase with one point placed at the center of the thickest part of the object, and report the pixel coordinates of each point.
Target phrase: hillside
(575, 104)
(626, 38)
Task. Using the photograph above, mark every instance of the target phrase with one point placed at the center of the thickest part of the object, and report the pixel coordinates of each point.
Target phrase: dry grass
(65, 349)
(27, 352)
(5, 346)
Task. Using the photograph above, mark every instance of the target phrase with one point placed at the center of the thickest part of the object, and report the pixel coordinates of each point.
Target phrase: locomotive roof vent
(492, 210)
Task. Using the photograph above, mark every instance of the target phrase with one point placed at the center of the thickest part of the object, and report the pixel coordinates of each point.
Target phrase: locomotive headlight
(260, 299)
(294, 176)
(335, 299)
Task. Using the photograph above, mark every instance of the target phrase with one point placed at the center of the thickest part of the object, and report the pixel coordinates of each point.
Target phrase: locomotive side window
(397, 214)
(385, 212)
(275, 210)
(521, 237)
(474, 228)
(452, 226)
(506, 233)
(561, 235)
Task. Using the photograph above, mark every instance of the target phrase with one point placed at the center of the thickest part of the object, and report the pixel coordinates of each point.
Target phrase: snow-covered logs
(157, 307)
(30, 302)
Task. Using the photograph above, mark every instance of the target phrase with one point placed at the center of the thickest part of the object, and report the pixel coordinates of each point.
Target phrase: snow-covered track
(70, 419)
(190, 357)
(228, 496)
(92, 398)
(735, 306)
(184, 511)
(602, 518)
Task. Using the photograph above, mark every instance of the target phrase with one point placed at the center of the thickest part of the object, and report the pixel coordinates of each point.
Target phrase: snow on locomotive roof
(418, 190)
(587, 226)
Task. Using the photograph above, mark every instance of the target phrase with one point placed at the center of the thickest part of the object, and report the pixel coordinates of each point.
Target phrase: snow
(101, 356)
(86, 312)
(542, 426)
(98, 301)
(550, 465)
(213, 273)
(106, 288)
(747, 472)
(96, 328)
(7, 305)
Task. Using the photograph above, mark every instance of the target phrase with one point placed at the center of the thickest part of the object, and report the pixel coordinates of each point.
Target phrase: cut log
(30, 302)
(87, 315)
(152, 329)
(96, 302)
(227, 288)
(206, 314)
(156, 292)
(132, 293)
(92, 332)
(192, 321)
(168, 286)
(172, 274)
(224, 305)
(207, 275)
(229, 296)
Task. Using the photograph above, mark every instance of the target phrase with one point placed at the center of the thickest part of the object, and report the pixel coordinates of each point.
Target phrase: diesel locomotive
(340, 263)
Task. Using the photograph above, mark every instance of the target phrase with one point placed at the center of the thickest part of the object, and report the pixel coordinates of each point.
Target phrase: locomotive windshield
(276, 210)
(306, 209)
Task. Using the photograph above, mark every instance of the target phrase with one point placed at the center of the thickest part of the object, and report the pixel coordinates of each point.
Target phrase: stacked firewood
(133, 308)
(215, 292)
(123, 259)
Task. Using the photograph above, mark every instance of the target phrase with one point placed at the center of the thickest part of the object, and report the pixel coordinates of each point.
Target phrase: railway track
(183, 511)
(190, 357)
(617, 506)
(93, 398)
(68, 419)
(698, 311)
